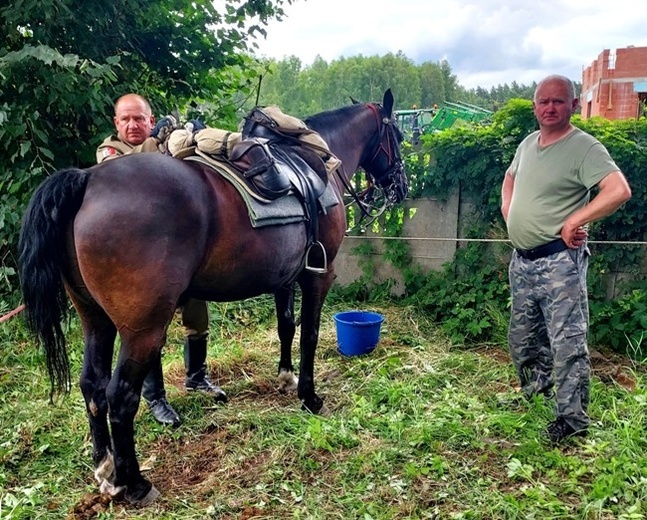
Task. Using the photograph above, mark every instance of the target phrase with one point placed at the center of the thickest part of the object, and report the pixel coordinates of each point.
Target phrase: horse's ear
(354, 101)
(387, 103)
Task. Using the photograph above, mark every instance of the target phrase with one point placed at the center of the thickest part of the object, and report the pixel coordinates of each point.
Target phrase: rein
(389, 150)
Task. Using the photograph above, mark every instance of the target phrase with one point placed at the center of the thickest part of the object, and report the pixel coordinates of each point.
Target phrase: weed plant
(417, 429)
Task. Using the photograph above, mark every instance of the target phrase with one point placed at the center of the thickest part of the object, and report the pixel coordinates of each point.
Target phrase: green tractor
(420, 121)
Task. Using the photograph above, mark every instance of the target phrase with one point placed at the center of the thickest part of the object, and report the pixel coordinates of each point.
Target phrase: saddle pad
(263, 212)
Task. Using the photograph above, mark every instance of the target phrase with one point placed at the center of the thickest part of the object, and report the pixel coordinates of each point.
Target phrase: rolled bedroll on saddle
(219, 143)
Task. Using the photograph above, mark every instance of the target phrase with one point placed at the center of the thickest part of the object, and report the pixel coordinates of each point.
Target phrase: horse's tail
(42, 254)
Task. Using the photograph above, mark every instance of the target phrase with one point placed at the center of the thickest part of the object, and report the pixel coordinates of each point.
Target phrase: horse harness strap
(383, 132)
(380, 148)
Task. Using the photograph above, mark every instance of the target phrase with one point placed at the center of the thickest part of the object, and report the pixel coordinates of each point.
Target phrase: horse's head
(382, 160)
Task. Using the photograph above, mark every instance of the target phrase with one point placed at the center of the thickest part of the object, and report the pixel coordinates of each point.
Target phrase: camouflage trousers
(195, 318)
(548, 327)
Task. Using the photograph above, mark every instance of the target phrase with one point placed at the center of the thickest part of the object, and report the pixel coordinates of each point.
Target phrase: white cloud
(486, 42)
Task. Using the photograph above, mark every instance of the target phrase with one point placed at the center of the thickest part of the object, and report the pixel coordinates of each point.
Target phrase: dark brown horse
(131, 239)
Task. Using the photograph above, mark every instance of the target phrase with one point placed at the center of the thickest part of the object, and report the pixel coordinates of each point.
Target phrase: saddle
(307, 163)
(273, 169)
(272, 159)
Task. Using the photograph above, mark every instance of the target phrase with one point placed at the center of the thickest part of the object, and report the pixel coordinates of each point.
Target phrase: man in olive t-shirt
(545, 203)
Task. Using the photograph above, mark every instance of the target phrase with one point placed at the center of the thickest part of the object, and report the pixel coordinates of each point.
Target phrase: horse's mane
(332, 118)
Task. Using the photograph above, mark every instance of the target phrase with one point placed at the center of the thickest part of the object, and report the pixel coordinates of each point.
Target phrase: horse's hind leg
(99, 333)
(284, 300)
(136, 355)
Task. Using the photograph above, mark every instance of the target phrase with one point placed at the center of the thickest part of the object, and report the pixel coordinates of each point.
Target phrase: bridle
(384, 189)
(390, 149)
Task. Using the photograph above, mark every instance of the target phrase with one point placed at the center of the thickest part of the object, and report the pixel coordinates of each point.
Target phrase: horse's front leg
(123, 394)
(314, 290)
(284, 301)
(100, 336)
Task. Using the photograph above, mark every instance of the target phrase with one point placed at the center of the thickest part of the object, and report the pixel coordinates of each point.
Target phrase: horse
(131, 239)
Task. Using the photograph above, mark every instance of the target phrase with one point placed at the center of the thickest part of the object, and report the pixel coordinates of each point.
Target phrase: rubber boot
(195, 361)
(153, 387)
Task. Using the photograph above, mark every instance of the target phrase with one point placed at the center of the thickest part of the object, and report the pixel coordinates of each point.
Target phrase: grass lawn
(417, 429)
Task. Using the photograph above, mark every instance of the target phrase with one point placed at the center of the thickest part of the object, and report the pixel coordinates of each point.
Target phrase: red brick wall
(610, 92)
(631, 62)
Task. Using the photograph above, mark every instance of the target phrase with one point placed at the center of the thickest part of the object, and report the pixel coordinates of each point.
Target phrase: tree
(450, 81)
(315, 81)
(283, 88)
(432, 86)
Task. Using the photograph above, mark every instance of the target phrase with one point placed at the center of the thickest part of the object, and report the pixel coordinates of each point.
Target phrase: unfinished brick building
(615, 85)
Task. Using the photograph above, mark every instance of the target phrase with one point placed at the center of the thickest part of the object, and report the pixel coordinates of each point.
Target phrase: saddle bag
(215, 141)
(270, 176)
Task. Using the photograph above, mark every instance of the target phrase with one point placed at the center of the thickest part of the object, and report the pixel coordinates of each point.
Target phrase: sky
(486, 42)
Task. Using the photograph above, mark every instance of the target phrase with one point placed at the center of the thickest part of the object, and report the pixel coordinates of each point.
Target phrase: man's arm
(506, 194)
(614, 192)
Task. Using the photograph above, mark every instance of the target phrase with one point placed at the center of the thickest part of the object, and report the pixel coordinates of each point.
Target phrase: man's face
(553, 106)
(133, 121)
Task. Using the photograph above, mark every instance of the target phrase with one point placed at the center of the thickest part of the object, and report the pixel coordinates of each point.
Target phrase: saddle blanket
(263, 212)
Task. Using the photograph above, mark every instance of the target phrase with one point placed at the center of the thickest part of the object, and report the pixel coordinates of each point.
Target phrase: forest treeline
(303, 89)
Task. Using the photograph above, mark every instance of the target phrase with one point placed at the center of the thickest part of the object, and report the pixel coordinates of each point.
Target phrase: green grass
(415, 430)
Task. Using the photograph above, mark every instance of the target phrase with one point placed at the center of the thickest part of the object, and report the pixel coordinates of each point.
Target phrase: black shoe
(559, 430)
(208, 388)
(164, 413)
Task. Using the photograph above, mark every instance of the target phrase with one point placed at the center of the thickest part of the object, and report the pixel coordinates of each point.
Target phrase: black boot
(155, 395)
(559, 430)
(164, 413)
(195, 361)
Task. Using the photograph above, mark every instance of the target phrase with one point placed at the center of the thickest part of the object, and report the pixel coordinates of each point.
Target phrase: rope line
(12, 313)
(451, 239)
(20, 308)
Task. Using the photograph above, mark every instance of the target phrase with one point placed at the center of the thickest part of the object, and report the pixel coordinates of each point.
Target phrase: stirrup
(311, 268)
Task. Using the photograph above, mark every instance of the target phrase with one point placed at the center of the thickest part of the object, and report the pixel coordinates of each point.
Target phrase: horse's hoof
(141, 501)
(288, 382)
(315, 405)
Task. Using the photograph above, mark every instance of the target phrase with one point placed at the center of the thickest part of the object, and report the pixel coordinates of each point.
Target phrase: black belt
(555, 246)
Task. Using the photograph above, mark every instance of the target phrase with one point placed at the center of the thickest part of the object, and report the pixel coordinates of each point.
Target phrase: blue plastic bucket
(358, 332)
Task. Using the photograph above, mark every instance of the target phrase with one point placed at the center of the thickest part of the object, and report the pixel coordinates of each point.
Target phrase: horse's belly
(248, 271)
(236, 288)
